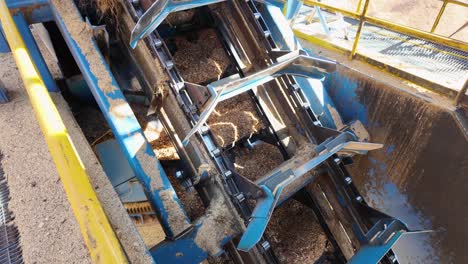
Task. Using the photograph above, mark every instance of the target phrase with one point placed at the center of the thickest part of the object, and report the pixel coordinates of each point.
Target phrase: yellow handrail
(359, 30)
(98, 235)
(396, 27)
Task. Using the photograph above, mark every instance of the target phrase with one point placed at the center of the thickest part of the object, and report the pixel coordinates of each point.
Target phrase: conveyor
(279, 77)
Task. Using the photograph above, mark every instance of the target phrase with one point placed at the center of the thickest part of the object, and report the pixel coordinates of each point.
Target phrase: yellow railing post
(397, 27)
(362, 20)
(359, 6)
(441, 11)
(97, 233)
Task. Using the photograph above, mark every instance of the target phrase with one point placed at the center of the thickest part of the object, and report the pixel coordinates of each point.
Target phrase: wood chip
(294, 234)
(255, 163)
(234, 119)
(201, 60)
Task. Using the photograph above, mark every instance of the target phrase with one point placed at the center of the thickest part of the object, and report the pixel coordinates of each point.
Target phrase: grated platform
(430, 61)
(10, 249)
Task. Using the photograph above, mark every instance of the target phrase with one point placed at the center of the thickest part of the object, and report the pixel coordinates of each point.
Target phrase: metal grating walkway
(435, 63)
(10, 249)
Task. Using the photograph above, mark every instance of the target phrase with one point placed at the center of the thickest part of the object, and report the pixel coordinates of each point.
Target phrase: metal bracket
(160, 9)
(291, 171)
(296, 63)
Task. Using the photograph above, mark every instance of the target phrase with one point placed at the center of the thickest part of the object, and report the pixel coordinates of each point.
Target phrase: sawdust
(360, 131)
(120, 108)
(155, 134)
(336, 117)
(235, 119)
(164, 148)
(150, 166)
(176, 216)
(257, 162)
(83, 36)
(179, 18)
(151, 232)
(215, 226)
(294, 234)
(201, 60)
(104, 7)
(38, 201)
(190, 200)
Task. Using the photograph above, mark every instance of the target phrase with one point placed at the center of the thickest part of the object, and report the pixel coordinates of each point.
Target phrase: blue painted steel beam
(25, 3)
(34, 11)
(4, 48)
(129, 134)
(35, 53)
(291, 8)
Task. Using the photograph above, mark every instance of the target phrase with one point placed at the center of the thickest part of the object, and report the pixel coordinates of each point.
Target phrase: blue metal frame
(35, 53)
(4, 48)
(12, 4)
(294, 63)
(280, 178)
(35, 11)
(181, 246)
(129, 134)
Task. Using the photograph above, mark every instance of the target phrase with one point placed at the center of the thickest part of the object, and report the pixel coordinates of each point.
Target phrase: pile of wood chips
(294, 234)
(202, 60)
(255, 163)
(234, 119)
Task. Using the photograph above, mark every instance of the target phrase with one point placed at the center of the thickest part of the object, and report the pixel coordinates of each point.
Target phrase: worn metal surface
(128, 133)
(421, 169)
(34, 52)
(290, 173)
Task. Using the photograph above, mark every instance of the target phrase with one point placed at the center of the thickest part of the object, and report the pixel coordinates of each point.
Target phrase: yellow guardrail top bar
(393, 26)
(98, 235)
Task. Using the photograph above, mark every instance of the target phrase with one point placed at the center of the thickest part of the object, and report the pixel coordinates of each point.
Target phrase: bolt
(158, 43)
(216, 152)
(337, 160)
(265, 245)
(240, 197)
(267, 33)
(392, 258)
(179, 174)
(228, 174)
(204, 130)
(257, 15)
(296, 87)
(169, 64)
(348, 180)
(359, 199)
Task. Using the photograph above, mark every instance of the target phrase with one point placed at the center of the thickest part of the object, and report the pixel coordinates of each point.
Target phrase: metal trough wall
(421, 175)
